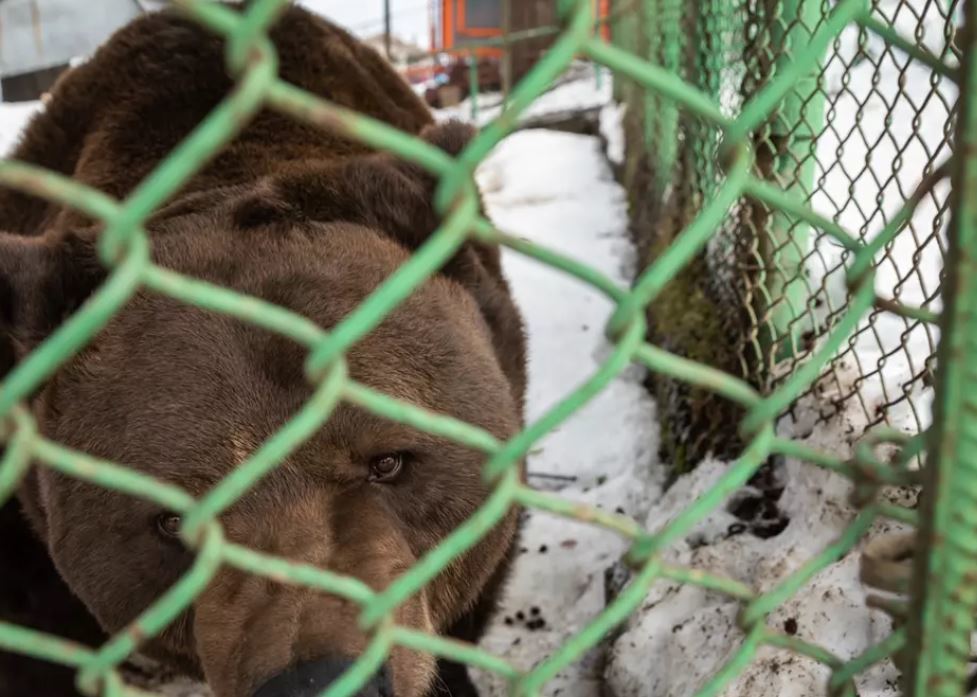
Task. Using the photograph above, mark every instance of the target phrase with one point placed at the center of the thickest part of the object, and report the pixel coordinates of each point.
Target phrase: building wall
(40, 34)
(530, 14)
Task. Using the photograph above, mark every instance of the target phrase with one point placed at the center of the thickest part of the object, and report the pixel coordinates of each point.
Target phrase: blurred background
(440, 46)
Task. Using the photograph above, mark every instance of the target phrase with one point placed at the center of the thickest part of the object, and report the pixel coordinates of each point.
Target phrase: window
(483, 14)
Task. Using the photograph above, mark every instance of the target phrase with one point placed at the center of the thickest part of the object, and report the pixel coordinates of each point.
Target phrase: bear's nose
(312, 678)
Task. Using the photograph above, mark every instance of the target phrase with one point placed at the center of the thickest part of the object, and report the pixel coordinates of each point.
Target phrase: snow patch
(557, 190)
(582, 87)
(13, 118)
(612, 130)
(692, 633)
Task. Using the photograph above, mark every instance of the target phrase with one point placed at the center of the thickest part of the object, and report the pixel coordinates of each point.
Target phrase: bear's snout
(312, 678)
(294, 642)
(261, 637)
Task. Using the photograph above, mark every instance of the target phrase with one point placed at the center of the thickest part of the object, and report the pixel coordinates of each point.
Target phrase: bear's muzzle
(310, 679)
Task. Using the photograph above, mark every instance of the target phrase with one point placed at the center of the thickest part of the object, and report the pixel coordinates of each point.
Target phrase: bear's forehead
(423, 348)
(196, 437)
(178, 363)
(321, 271)
(188, 394)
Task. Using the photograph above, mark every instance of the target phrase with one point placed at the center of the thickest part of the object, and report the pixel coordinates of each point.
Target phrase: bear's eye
(386, 467)
(168, 524)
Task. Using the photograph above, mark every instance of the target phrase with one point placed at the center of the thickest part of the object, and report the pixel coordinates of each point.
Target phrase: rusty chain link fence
(746, 131)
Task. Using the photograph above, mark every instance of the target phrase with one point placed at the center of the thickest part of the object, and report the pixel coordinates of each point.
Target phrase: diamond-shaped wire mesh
(875, 132)
(727, 160)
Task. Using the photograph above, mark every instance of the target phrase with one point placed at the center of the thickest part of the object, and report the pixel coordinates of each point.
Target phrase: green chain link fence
(943, 605)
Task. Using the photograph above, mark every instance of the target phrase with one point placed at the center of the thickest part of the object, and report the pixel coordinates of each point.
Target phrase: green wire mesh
(733, 132)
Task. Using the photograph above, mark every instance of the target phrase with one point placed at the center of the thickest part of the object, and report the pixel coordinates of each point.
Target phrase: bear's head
(186, 395)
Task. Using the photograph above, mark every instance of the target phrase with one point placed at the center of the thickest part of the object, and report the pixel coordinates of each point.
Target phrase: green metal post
(624, 34)
(473, 83)
(386, 29)
(506, 52)
(793, 133)
(663, 31)
(944, 589)
(708, 60)
(598, 68)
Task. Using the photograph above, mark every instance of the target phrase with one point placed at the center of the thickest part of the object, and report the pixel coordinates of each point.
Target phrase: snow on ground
(580, 87)
(612, 131)
(556, 189)
(13, 117)
(684, 635)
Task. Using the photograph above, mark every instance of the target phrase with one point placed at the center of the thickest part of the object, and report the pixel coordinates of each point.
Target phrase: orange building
(460, 22)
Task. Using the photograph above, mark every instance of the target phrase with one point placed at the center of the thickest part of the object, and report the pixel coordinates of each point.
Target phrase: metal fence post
(473, 83)
(506, 51)
(944, 588)
(664, 31)
(790, 164)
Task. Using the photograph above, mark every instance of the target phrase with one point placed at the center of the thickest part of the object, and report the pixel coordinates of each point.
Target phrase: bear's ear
(450, 136)
(42, 281)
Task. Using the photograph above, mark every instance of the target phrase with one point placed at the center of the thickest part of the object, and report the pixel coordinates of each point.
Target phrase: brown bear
(309, 221)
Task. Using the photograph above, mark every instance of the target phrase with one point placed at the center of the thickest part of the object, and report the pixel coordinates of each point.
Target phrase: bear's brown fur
(309, 221)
